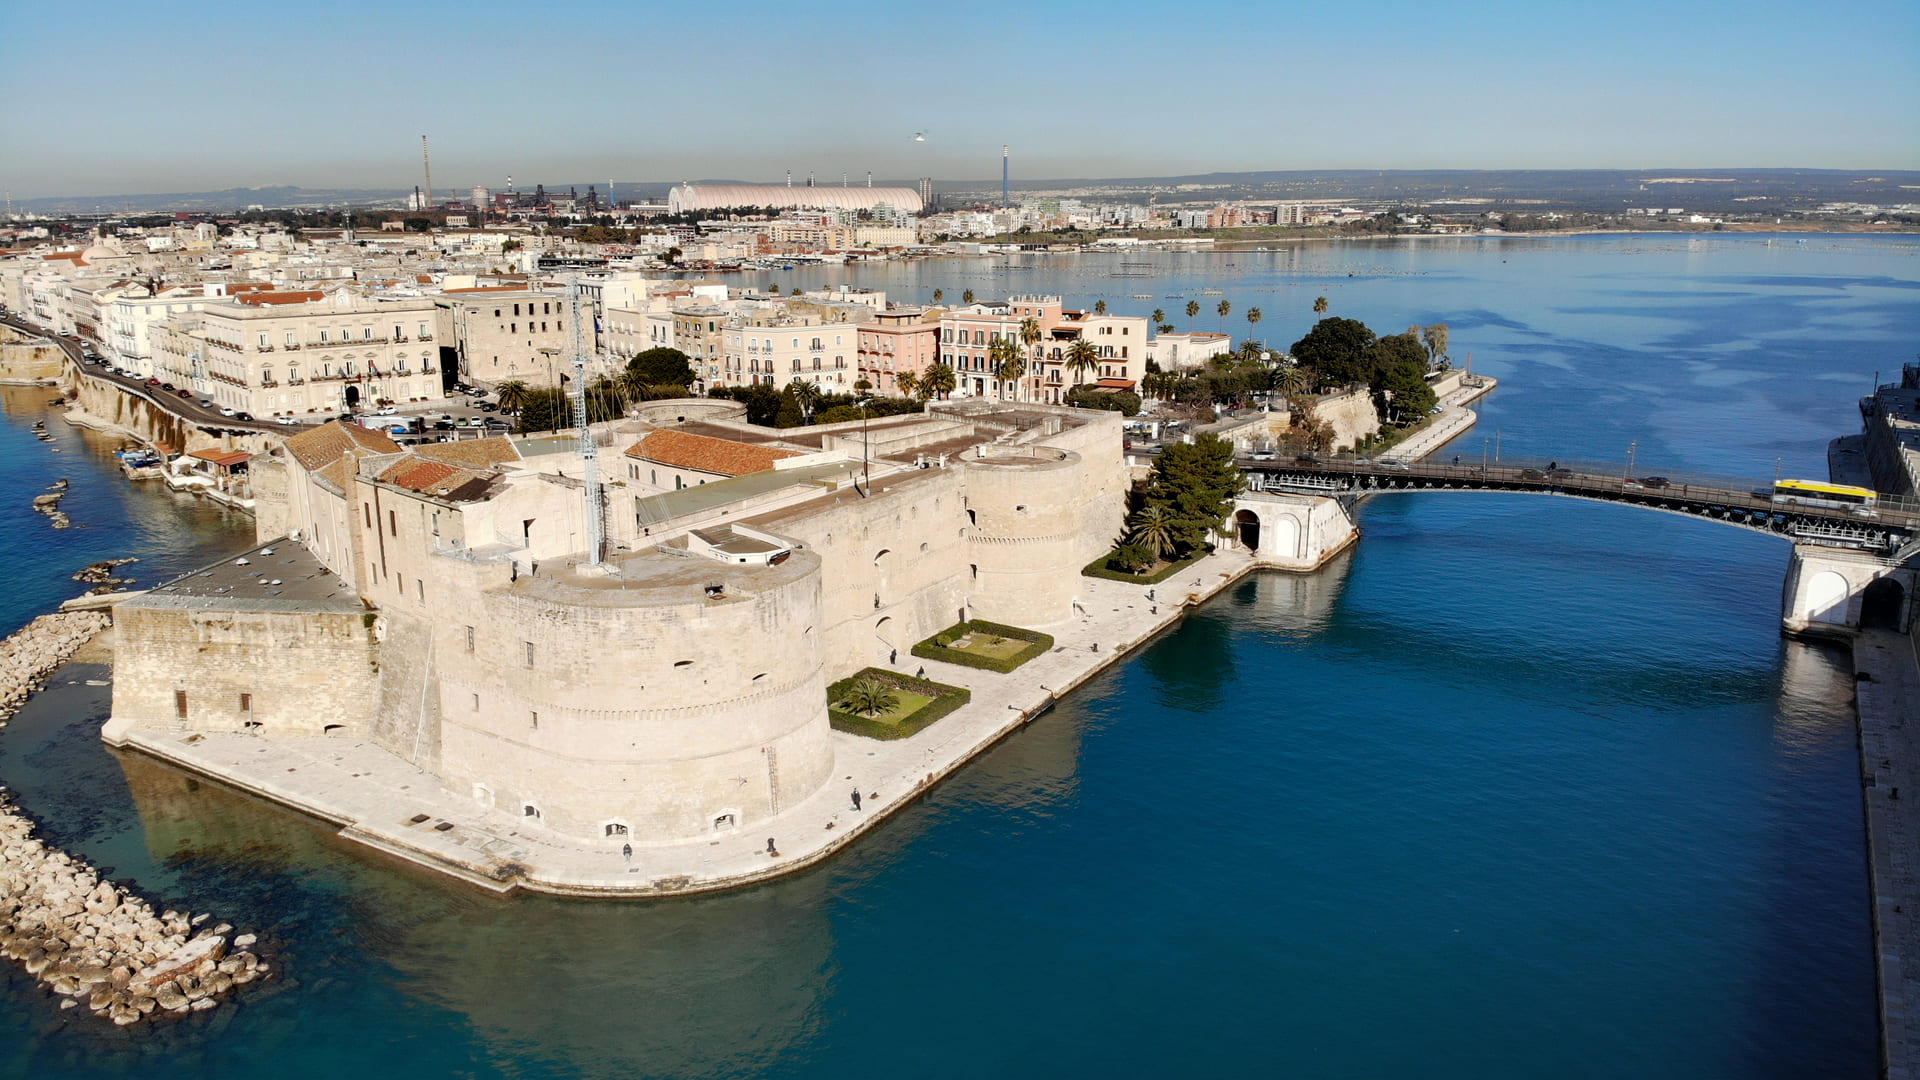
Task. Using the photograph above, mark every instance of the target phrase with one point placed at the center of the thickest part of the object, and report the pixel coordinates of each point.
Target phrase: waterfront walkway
(1454, 419)
(1889, 705)
(374, 796)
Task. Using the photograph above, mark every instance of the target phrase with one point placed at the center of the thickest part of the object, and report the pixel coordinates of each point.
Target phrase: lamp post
(1631, 447)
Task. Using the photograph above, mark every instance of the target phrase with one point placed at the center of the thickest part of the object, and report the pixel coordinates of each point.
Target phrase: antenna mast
(589, 452)
(424, 160)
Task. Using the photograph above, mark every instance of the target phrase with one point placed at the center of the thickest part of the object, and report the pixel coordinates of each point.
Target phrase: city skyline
(1077, 91)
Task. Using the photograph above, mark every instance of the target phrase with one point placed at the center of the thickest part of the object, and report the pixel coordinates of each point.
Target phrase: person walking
(626, 851)
(856, 798)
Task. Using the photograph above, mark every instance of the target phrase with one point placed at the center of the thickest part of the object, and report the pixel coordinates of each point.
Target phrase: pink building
(893, 343)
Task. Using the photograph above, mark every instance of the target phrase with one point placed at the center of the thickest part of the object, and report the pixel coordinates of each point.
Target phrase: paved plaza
(1889, 702)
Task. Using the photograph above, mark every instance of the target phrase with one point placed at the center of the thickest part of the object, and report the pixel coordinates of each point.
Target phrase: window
(530, 810)
(516, 309)
(529, 646)
(469, 639)
(393, 525)
(180, 704)
(533, 720)
(615, 828)
(420, 589)
(366, 510)
(476, 703)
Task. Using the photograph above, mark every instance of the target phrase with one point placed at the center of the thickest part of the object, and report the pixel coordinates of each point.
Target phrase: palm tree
(805, 395)
(1289, 379)
(1253, 319)
(1009, 362)
(967, 297)
(1224, 310)
(1153, 530)
(870, 697)
(1319, 305)
(1030, 336)
(512, 395)
(1159, 316)
(938, 381)
(907, 382)
(939, 295)
(1099, 307)
(1082, 357)
(631, 384)
(1193, 308)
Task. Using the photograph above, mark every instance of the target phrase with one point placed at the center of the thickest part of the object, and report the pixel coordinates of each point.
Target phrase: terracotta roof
(226, 459)
(258, 298)
(438, 479)
(703, 454)
(326, 444)
(235, 288)
(1115, 384)
(472, 453)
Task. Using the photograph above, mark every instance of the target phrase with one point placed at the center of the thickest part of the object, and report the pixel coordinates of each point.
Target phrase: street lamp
(1631, 447)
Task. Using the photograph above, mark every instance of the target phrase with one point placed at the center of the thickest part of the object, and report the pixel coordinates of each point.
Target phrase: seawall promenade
(352, 784)
(1888, 677)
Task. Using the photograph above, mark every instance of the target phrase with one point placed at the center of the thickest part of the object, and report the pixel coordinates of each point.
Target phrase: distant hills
(1750, 190)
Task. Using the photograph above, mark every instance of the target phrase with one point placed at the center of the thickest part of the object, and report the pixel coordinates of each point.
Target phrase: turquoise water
(1519, 787)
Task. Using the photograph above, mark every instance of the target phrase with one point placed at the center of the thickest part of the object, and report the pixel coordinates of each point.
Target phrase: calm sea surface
(1520, 787)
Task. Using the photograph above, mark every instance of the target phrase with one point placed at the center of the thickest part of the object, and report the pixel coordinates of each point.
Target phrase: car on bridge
(1392, 464)
(1655, 482)
(1306, 459)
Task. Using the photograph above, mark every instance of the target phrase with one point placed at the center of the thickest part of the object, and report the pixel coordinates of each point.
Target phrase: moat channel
(1517, 787)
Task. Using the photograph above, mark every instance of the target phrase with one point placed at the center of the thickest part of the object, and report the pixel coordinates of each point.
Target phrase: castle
(441, 602)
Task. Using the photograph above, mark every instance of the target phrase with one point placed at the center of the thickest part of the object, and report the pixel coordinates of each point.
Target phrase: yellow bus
(1858, 501)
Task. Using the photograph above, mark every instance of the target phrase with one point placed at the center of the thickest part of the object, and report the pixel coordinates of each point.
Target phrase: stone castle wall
(306, 673)
(655, 709)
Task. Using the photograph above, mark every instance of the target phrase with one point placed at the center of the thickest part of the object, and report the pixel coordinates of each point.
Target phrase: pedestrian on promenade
(626, 850)
(893, 657)
(770, 848)
(856, 798)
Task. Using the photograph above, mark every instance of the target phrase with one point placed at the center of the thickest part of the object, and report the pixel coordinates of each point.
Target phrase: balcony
(296, 382)
(293, 348)
(268, 384)
(266, 348)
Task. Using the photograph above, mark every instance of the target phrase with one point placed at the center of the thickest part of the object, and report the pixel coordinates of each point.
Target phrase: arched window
(616, 828)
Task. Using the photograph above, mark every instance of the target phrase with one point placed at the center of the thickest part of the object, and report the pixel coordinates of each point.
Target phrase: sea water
(1517, 787)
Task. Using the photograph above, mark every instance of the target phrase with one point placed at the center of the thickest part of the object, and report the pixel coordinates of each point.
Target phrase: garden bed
(1098, 569)
(980, 644)
(919, 703)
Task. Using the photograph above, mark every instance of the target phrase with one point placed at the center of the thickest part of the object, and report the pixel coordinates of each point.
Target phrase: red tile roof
(226, 459)
(417, 475)
(259, 298)
(703, 454)
(327, 443)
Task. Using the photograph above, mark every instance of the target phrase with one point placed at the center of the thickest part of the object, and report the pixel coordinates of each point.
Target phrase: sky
(116, 97)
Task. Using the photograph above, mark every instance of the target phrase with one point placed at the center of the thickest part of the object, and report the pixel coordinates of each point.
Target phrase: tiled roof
(280, 297)
(438, 479)
(471, 453)
(703, 454)
(226, 459)
(326, 444)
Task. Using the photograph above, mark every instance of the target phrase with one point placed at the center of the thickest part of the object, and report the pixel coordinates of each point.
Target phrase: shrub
(1131, 559)
(935, 647)
(1099, 568)
(945, 700)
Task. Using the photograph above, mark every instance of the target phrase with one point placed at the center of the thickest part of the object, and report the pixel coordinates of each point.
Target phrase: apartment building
(893, 344)
(775, 345)
(968, 333)
(302, 353)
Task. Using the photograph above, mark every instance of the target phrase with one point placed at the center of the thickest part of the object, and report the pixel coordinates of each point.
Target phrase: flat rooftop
(280, 575)
(668, 505)
(657, 576)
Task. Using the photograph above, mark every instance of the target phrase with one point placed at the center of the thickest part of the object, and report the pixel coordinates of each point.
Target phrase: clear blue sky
(136, 98)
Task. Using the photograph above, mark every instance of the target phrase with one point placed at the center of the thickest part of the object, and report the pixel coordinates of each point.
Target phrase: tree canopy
(1339, 350)
(1194, 484)
(663, 367)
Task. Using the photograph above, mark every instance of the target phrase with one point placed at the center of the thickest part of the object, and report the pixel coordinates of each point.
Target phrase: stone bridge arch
(1834, 591)
(1288, 532)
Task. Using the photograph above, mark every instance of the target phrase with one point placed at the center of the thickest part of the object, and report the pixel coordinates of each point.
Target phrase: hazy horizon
(339, 99)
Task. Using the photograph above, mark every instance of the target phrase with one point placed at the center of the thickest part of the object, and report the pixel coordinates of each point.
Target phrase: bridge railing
(1571, 472)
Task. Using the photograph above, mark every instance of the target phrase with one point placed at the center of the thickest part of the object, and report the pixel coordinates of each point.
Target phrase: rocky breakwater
(96, 944)
(31, 654)
(49, 504)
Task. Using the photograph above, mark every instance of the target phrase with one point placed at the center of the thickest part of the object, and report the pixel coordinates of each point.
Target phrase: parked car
(226, 410)
(188, 394)
(443, 425)
(488, 406)
(475, 421)
(1532, 474)
(153, 382)
(168, 387)
(285, 420)
(206, 403)
(1262, 455)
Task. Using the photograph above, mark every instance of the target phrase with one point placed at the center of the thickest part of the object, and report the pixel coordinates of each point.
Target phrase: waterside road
(353, 784)
(1887, 667)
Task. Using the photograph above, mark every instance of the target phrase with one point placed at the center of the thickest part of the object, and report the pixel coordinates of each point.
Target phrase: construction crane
(589, 452)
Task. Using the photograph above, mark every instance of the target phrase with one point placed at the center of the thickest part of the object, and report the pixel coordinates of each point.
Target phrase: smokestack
(789, 177)
(1006, 197)
(869, 177)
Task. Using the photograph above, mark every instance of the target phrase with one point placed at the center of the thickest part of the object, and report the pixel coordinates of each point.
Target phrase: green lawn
(922, 701)
(910, 703)
(981, 644)
(988, 645)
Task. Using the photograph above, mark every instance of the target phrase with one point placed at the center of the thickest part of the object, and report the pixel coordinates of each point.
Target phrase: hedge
(1098, 569)
(934, 648)
(945, 700)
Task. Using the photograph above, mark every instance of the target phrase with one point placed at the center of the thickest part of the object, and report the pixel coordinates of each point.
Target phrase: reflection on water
(680, 988)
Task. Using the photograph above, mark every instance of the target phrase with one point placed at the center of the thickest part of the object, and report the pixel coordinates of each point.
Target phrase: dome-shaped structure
(696, 197)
